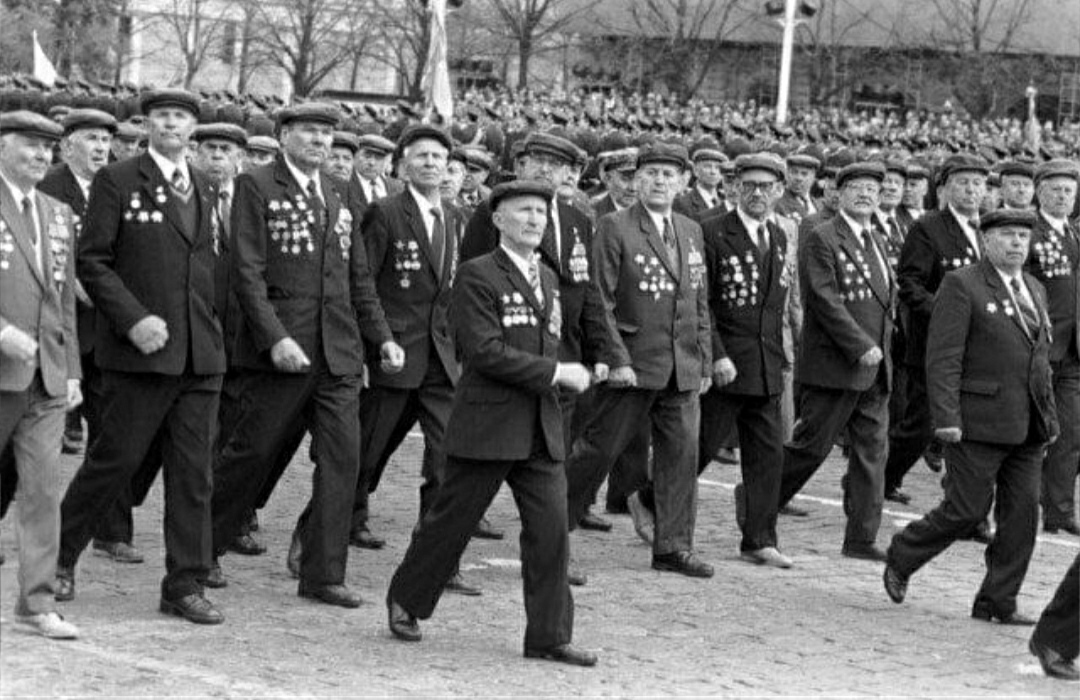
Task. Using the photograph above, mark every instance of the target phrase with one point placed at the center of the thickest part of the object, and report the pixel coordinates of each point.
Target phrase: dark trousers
(135, 409)
(823, 416)
(617, 418)
(974, 470)
(1059, 624)
(912, 435)
(386, 417)
(630, 471)
(1063, 457)
(539, 488)
(276, 407)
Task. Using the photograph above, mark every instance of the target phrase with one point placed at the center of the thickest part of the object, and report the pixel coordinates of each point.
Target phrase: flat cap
(22, 121)
(416, 132)
(477, 158)
(863, 169)
(621, 160)
(520, 188)
(266, 144)
(663, 153)
(837, 161)
(58, 112)
(130, 131)
(917, 171)
(317, 112)
(1007, 217)
(77, 119)
(963, 163)
(769, 162)
(549, 144)
(221, 131)
(713, 155)
(346, 139)
(800, 159)
(376, 143)
(169, 97)
(1016, 167)
(896, 165)
(1059, 167)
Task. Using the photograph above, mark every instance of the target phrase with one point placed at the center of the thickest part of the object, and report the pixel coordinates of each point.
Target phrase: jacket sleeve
(917, 259)
(249, 264)
(608, 254)
(481, 236)
(945, 347)
(712, 277)
(365, 299)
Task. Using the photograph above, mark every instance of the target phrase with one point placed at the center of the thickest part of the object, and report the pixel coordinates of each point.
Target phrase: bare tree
(530, 23)
(405, 36)
(197, 26)
(826, 38)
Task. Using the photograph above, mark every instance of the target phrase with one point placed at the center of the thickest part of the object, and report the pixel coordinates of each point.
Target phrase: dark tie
(438, 240)
(763, 241)
(534, 280)
(225, 212)
(31, 227)
(973, 222)
(179, 183)
(670, 243)
(877, 276)
(1031, 318)
(317, 205)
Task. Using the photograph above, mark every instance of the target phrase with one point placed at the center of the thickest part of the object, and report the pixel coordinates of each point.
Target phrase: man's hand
(74, 393)
(949, 435)
(393, 357)
(872, 358)
(288, 356)
(572, 375)
(706, 384)
(622, 377)
(723, 372)
(18, 345)
(149, 335)
(600, 372)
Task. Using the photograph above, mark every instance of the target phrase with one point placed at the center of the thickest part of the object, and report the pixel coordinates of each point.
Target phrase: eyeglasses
(750, 187)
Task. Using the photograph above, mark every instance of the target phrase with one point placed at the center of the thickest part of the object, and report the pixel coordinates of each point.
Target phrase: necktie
(316, 205)
(534, 280)
(763, 241)
(1027, 312)
(973, 222)
(894, 230)
(179, 182)
(31, 226)
(225, 211)
(438, 240)
(877, 275)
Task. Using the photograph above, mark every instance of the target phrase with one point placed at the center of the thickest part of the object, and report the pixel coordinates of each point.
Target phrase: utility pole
(787, 44)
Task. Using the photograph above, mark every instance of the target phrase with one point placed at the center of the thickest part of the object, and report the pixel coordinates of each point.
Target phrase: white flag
(43, 67)
(436, 80)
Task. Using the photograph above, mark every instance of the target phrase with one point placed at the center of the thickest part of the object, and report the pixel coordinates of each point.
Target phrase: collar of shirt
(1019, 276)
(855, 226)
(425, 206)
(965, 222)
(168, 167)
(751, 224)
(522, 264)
(84, 184)
(302, 179)
(658, 221)
(1057, 224)
(19, 195)
(227, 188)
(709, 197)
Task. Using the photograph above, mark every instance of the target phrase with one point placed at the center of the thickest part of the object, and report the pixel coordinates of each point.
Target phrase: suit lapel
(155, 187)
(24, 237)
(648, 229)
(1005, 300)
(522, 285)
(419, 231)
(855, 252)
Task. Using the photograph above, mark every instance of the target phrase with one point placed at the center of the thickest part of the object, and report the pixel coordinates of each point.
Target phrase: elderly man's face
(1006, 247)
(965, 191)
(371, 164)
(218, 158)
(452, 179)
(657, 185)
(892, 190)
(25, 158)
(1057, 196)
(339, 163)
(800, 179)
(169, 129)
(915, 189)
(621, 185)
(307, 144)
(521, 222)
(86, 151)
(546, 168)
(859, 197)
(1017, 191)
(758, 192)
(708, 174)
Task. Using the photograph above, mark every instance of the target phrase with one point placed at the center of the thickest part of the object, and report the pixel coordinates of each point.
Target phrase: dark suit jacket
(323, 297)
(225, 300)
(1054, 260)
(747, 296)
(60, 183)
(845, 313)
(415, 300)
(602, 206)
(657, 317)
(906, 218)
(583, 329)
(39, 301)
(719, 210)
(984, 373)
(506, 405)
(935, 245)
(691, 204)
(792, 207)
(133, 266)
(357, 201)
(811, 222)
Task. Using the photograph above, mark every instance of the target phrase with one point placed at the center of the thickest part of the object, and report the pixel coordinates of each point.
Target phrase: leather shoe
(981, 534)
(793, 511)
(194, 608)
(869, 552)
(767, 556)
(65, 584)
(403, 624)
(333, 594)
(363, 538)
(644, 523)
(215, 577)
(594, 522)
(576, 578)
(617, 507)
(1071, 527)
(1014, 619)
(485, 531)
(1054, 664)
(247, 545)
(457, 584)
(292, 559)
(121, 552)
(563, 653)
(740, 505)
(895, 584)
(897, 496)
(684, 562)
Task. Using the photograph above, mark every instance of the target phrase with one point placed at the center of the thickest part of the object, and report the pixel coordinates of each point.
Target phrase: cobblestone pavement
(824, 628)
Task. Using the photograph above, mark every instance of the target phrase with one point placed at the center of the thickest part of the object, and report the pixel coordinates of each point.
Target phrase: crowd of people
(560, 291)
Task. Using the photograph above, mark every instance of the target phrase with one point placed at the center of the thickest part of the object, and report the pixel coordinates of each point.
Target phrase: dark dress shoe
(1071, 528)
(1014, 619)
(194, 608)
(897, 496)
(247, 545)
(594, 522)
(576, 578)
(65, 584)
(363, 538)
(618, 507)
(121, 552)
(292, 559)
(215, 577)
(1054, 664)
(485, 531)
(403, 624)
(564, 653)
(686, 563)
(794, 511)
(895, 584)
(869, 552)
(334, 594)
(457, 584)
